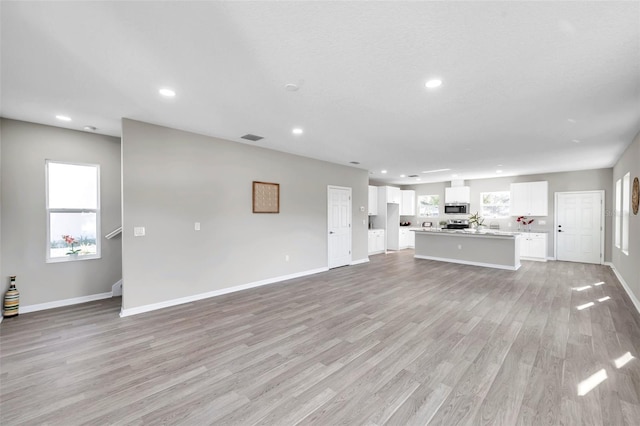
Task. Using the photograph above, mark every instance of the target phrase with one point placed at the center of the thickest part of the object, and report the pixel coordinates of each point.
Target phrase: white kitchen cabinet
(457, 194)
(529, 199)
(533, 246)
(373, 200)
(376, 241)
(408, 205)
(392, 194)
(407, 238)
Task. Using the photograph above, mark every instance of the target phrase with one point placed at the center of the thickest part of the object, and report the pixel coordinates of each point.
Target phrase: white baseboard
(65, 302)
(468, 262)
(116, 289)
(633, 298)
(195, 297)
(359, 261)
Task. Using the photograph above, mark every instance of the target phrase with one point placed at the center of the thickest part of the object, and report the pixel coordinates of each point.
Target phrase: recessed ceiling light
(454, 175)
(418, 179)
(498, 171)
(167, 93)
(403, 176)
(432, 84)
(383, 172)
(297, 131)
(575, 140)
(435, 171)
(499, 165)
(90, 128)
(291, 87)
(63, 118)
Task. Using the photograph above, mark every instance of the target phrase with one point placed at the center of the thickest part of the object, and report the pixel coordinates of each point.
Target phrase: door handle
(559, 230)
(331, 232)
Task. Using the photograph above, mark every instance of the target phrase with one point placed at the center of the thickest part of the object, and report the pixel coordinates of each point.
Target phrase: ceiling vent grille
(251, 137)
(414, 175)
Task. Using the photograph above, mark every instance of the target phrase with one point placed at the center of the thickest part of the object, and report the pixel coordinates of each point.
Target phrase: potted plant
(476, 221)
(73, 252)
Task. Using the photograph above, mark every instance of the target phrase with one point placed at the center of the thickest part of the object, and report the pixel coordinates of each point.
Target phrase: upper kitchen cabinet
(391, 194)
(408, 204)
(457, 194)
(529, 199)
(373, 200)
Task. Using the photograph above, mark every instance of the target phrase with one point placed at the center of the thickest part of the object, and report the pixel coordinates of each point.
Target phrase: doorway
(339, 226)
(579, 226)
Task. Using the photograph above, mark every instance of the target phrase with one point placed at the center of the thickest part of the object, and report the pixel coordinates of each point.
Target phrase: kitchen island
(492, 249)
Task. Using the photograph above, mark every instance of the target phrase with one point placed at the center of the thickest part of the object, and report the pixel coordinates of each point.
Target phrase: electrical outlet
(138, 231)
(197, 226)
(459, 246)
(286, 257)
(542, 222)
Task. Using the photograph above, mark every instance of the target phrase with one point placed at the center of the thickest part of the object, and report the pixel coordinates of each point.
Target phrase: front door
(339, 226)
(579, 226)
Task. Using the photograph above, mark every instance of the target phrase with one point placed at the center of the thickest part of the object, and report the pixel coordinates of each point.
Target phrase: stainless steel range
(458, 224)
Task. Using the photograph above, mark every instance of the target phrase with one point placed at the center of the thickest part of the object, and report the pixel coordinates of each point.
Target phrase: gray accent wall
(172, 179)
(25, 146)
(584, 180)
(629, 265)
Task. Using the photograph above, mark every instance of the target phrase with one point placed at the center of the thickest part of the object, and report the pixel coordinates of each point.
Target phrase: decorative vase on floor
(11, 300)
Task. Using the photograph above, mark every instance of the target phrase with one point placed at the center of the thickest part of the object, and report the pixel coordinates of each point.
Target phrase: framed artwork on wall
(635, 195)
(266, 197)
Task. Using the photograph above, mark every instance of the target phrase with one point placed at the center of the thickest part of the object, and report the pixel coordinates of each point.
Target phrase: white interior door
(579, 226)
(339, 226)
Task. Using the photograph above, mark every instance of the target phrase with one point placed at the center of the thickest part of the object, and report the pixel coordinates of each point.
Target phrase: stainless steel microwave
(457, 208)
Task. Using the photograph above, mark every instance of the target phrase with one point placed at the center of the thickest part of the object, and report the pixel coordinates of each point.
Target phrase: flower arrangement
(476, 219)
(522, 220)
(71, 241)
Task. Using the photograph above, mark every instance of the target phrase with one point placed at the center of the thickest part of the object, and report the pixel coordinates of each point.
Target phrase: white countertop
(492, 233)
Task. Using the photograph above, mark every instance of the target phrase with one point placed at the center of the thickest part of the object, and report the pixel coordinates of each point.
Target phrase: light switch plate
(138, 231)
(197, 226)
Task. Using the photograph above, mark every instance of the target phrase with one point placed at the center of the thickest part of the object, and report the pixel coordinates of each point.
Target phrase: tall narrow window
(618, 213)
(626, 204)
(73, 211)
(495, 204)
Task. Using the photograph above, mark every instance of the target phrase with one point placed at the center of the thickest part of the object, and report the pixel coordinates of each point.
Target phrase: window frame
(481, 209)
(428, 195)
(48, 211)
(618, 215)
(626, 211)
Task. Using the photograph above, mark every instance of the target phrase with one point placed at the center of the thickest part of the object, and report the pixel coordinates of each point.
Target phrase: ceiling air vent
(251, 137)
(414, 175)
(354, 162)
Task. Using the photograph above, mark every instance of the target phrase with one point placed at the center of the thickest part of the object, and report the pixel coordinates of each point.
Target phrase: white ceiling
(521, 80)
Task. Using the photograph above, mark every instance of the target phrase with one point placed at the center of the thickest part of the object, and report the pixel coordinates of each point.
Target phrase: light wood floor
(397, 341)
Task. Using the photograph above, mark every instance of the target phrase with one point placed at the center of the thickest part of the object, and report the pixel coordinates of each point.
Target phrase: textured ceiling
(521, 80)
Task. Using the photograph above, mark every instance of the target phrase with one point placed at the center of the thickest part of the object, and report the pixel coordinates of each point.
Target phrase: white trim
(468, 262)
(551, 258)
(534, 259)
(357, 262)
(632, 296)
(602, 221)
(113, 233)
(195, 297)
(116, 289)
(64, 302)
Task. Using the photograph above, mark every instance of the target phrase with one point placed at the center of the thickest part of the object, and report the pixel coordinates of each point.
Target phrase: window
(494, 204)
(428, 205)
(73, 211)
(626, 204)
(618, 213)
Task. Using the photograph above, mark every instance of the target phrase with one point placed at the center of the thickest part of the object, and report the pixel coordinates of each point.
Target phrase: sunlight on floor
(623, 360)
(585, 306)
(603, 299)
(581, 288)
(600, 283)
(585, 386)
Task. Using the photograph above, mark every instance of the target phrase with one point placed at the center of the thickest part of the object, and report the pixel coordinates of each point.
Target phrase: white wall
(25, 146)
(629, 265)
(172, 179)
(600, 179)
